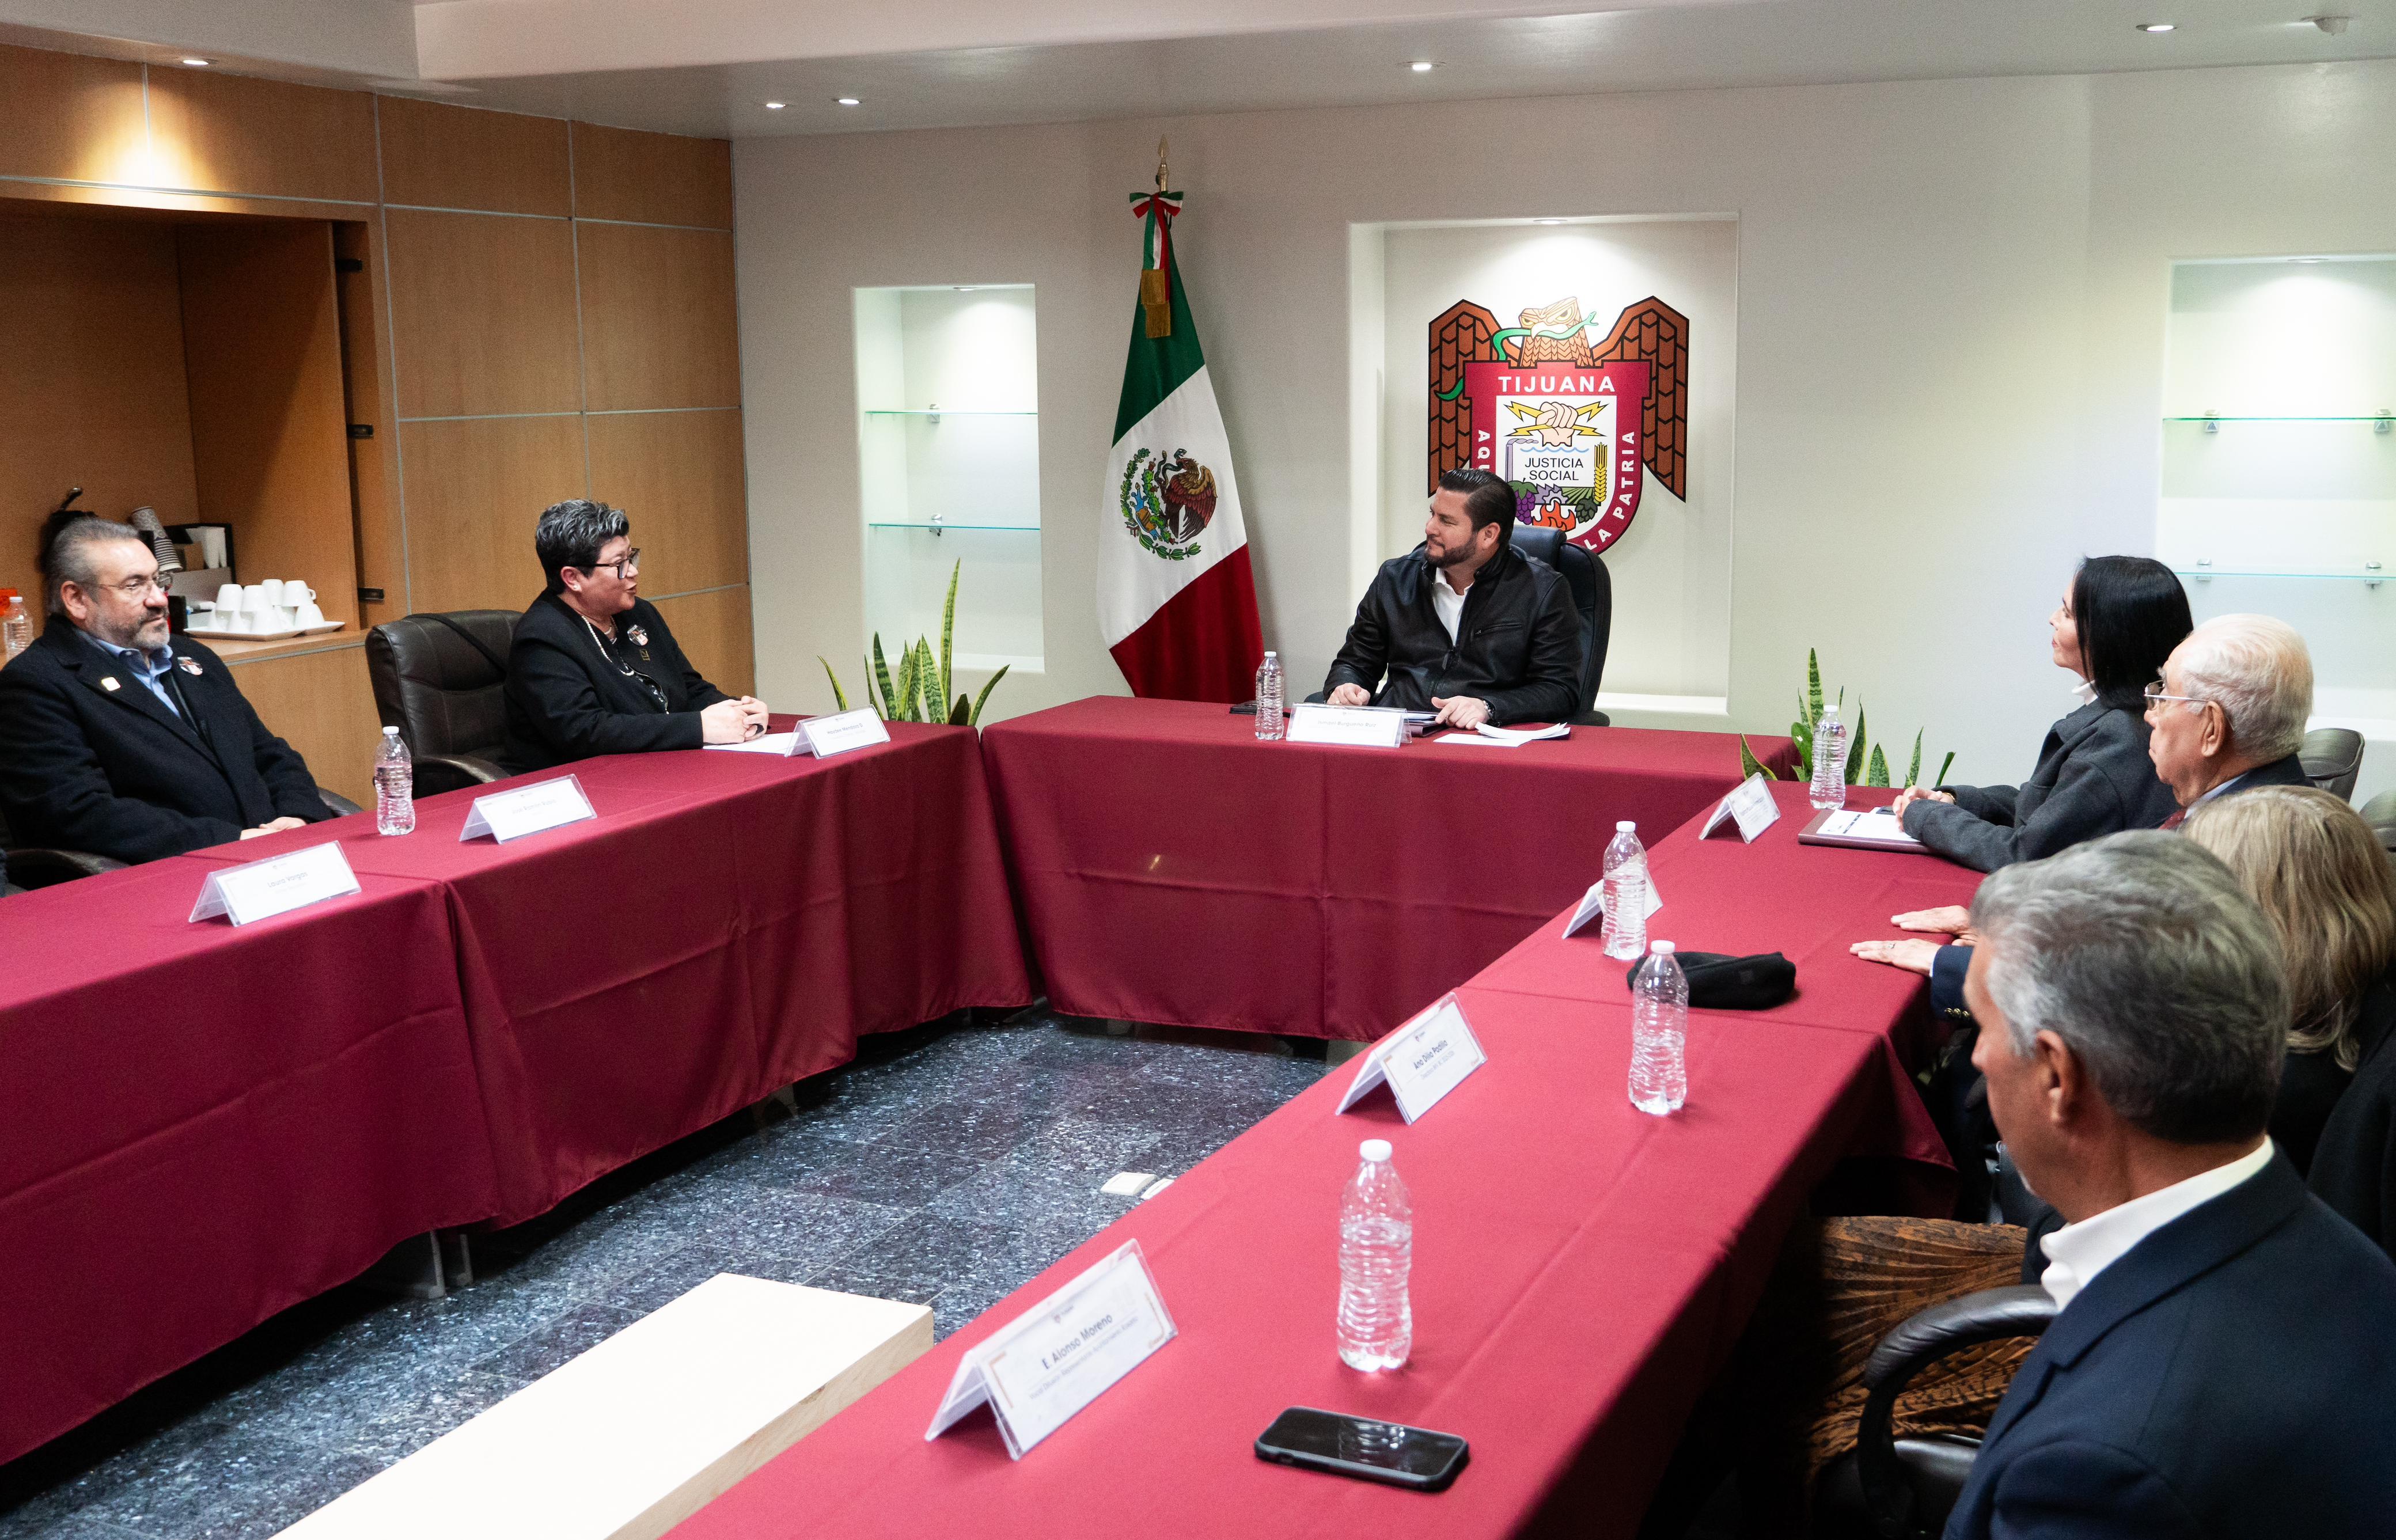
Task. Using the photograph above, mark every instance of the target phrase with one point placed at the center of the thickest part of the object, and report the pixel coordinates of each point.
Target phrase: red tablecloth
(731, 922)
(1174, 870)
(1580, 1271)
(205, 1125)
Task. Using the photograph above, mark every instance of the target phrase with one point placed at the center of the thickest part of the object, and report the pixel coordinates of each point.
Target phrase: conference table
(1174, 870)
(1581, 1270)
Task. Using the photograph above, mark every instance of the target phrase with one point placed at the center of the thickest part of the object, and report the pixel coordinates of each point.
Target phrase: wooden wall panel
(373, 462)
(322, 704)
(73, 119)
(442, 156)
(474, 491)
(482, 314)
(654, 179)
(221, 133)
(714, 631)
(262, 352)
(660, 327)
(682, 477)
(91, 378)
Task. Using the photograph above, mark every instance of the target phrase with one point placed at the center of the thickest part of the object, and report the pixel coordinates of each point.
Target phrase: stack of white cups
(266, 608)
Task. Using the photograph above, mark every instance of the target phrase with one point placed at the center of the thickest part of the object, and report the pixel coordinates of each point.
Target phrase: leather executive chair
(33, 867)
(442, 680)
(2333, 756)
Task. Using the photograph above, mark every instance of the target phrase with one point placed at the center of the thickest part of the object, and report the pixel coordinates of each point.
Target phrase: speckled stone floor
(948, 1166)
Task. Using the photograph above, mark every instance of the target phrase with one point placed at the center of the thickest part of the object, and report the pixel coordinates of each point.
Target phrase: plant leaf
(1878, 773)
(1856, 745)
(881, 675)
(961, 714)
(905, 711)
(1749, 764)
(978, 700)
(1915, 768)
(948, 631)
(839, 696)
(1943, 766)
(1813, 686)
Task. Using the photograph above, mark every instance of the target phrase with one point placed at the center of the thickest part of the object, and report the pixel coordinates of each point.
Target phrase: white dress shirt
(2076, 1254)
(1446, 601)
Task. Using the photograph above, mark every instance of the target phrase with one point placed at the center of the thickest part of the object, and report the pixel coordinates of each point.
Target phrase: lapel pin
(640, 636)
(189, 666)
(109, 684)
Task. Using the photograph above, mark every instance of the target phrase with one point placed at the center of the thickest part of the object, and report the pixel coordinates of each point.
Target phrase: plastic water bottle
(1659, 1033)
(1269, 713)
(1624, 934)
(1377, 1252)
(16, 626)
(395, 786)
(1829, 788)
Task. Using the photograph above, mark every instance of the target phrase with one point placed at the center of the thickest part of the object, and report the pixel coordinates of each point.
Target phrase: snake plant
(921, 690)
(1866, 764)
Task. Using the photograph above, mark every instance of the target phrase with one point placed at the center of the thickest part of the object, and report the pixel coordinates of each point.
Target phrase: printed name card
(1593, 904)
(1048, 1364)
(1420, 1062)
(505, 815)
(257, 890)
(1355, 727)
(828, 736)
(1751, 804)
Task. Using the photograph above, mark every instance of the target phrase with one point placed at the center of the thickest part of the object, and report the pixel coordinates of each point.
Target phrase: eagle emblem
(1167, 501)
(1574, 426)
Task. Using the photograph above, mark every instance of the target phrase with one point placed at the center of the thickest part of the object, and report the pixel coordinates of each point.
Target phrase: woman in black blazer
(2120, 619)
(594, 669)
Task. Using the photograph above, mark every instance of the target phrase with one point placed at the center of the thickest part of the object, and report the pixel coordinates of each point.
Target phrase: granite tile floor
(947, 1165)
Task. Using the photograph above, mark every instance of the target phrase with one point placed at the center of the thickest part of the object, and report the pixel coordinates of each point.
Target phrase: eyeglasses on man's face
(2156, 696)
(138, 589)
(625, 564)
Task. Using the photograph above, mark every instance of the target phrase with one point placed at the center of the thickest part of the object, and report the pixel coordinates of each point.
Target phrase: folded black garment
(1720, 982)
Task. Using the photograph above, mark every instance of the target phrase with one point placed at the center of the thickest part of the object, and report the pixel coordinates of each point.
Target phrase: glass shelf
(2375, 416)
(945, 411)
(2202, 572)
(950, 528)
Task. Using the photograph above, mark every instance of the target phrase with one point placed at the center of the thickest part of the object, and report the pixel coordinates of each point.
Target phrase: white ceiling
(708, 66)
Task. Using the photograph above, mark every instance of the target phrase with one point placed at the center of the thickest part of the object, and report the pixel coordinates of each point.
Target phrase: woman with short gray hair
(594, 669)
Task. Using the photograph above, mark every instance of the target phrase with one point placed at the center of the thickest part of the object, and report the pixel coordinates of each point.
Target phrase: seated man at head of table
(1464, 624)
(594, 669)
(2221, 1357)
(118, 739)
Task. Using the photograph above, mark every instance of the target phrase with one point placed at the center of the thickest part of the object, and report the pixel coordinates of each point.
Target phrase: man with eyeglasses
(594, 669)
(120, 740)
(2229, 711)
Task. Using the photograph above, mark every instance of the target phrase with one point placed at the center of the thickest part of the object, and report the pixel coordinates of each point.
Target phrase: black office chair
(1897, 1489)
(2333, 756)
(33, 867)
(2380, 814)
(442, 680)
(1593, 592)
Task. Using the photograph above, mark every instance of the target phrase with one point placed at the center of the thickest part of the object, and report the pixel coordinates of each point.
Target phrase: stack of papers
(1507, 737)
(1872, 824)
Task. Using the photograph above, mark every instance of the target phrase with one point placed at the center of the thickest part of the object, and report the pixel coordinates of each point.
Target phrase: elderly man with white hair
(2229, 711)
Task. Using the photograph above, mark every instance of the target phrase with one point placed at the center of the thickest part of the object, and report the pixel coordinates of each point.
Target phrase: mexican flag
(1177, 602)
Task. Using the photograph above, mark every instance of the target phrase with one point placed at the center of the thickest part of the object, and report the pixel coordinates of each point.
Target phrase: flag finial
(1160, 163)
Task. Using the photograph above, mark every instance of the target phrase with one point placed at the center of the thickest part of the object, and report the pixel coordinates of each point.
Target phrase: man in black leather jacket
(1464, 624)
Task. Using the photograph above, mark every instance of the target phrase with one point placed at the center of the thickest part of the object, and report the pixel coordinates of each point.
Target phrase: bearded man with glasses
(120, 741)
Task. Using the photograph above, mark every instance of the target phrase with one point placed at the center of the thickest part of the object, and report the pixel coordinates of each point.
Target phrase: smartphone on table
(1361, 1447)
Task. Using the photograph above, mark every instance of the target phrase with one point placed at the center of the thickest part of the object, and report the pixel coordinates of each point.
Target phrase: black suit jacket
(2093, 778)
(116, 774)
(2229, 1376)
(568, 700)
(2354, 1165)
(1517, 644)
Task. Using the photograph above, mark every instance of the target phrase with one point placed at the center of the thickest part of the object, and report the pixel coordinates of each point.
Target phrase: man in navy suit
(120, 740)
(2223, 1358)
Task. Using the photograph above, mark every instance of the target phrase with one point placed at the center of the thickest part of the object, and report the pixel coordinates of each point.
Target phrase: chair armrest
(1318, 698)
(1990, 1315)
(436, 772)
(340, 806)
(1592, 719)
(30, 868)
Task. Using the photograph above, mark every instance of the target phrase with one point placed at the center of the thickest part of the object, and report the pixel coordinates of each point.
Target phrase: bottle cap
(1624, 826)
(1661, 948)
(1374, 1149)
(1270, 653)
(391, 731)
(1829, 708)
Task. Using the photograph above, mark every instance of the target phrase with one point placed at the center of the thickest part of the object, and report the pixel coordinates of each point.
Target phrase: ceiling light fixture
(1421, 66)
(849, 102)
(2158, 26)
(2333, 25)
(776, 106)
(197, 63)
(964, 288)
(1547, 221)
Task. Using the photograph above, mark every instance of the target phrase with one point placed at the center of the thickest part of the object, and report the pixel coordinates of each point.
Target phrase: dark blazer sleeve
(288, 782)
(1551, 693)
(558, 698)
(1993, 804)
(1364, 655)
(2082, 1489)
(2354, 1165)
(2083, 806)
(47, 763)
(1948, 965)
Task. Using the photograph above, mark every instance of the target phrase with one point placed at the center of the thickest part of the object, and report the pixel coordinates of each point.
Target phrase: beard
(1453, 556)
(147, 632)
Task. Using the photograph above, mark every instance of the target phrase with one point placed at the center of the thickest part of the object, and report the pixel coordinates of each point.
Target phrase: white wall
(1952, 304)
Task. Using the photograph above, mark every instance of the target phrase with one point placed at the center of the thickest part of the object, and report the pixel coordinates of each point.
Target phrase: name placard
(1593, 904)
(1751, 805)
(505, 815)
(258, 890)
(1422, 1061)
(827, 735)
(1048, 1364)
(1353, 727)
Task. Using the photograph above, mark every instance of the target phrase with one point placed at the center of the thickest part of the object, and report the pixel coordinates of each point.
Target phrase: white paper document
(1355, 727)
(1420, 1062)
(781, 744)
(1751, 804)
(827, 735)
(1048, 1364)
(505, 815)
(1517, 737)
(1875, 824)
(1593, 904)
(257, 890)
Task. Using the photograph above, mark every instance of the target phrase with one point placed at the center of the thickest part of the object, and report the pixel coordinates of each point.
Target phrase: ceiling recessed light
(2158, 26)
(849, 102)
(1547, 221)
(776, 106)
(197, 63)
(964, 288)
(1421, 66)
